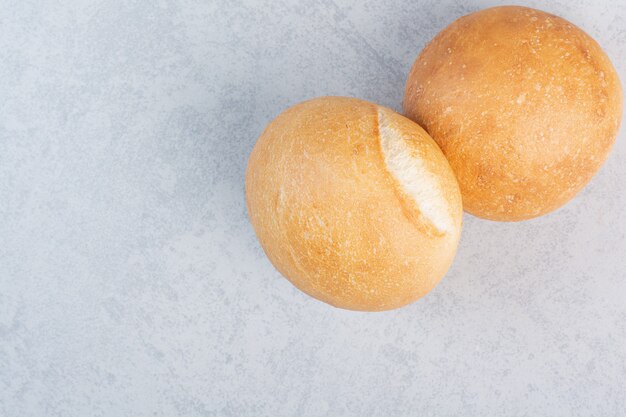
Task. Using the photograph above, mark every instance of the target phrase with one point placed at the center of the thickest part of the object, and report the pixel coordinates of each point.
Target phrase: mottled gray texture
(131, 282)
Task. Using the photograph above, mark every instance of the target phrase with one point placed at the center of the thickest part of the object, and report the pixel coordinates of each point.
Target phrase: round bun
(524, 105)
(353, 203)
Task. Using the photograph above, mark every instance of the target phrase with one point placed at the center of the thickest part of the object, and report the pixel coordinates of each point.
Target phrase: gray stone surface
(131, 282)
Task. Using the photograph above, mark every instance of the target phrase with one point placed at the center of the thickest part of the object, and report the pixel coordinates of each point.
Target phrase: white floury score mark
(416, 180)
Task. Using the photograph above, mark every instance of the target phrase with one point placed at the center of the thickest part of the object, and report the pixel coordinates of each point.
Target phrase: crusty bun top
(524, 104)
(354, 203)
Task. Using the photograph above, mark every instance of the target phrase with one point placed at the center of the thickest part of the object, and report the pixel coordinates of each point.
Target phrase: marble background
(131, 282)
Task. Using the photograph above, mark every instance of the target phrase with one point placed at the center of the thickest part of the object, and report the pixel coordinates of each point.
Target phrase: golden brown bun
(524, 105)
(353, 203)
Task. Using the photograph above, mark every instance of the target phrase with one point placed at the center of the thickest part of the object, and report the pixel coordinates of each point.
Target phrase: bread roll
(353, 203)
(524, 105)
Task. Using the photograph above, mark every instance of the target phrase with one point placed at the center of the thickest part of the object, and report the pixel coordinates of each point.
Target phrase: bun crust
(353, 203)
(525, 106)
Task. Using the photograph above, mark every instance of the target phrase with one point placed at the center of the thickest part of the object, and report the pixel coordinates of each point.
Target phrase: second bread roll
(353, 203)
(524, 104)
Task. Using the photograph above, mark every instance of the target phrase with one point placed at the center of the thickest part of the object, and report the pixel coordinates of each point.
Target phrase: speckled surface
(131, 282)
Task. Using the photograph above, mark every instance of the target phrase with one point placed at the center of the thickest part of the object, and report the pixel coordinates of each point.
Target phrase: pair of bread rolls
(360, 207)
